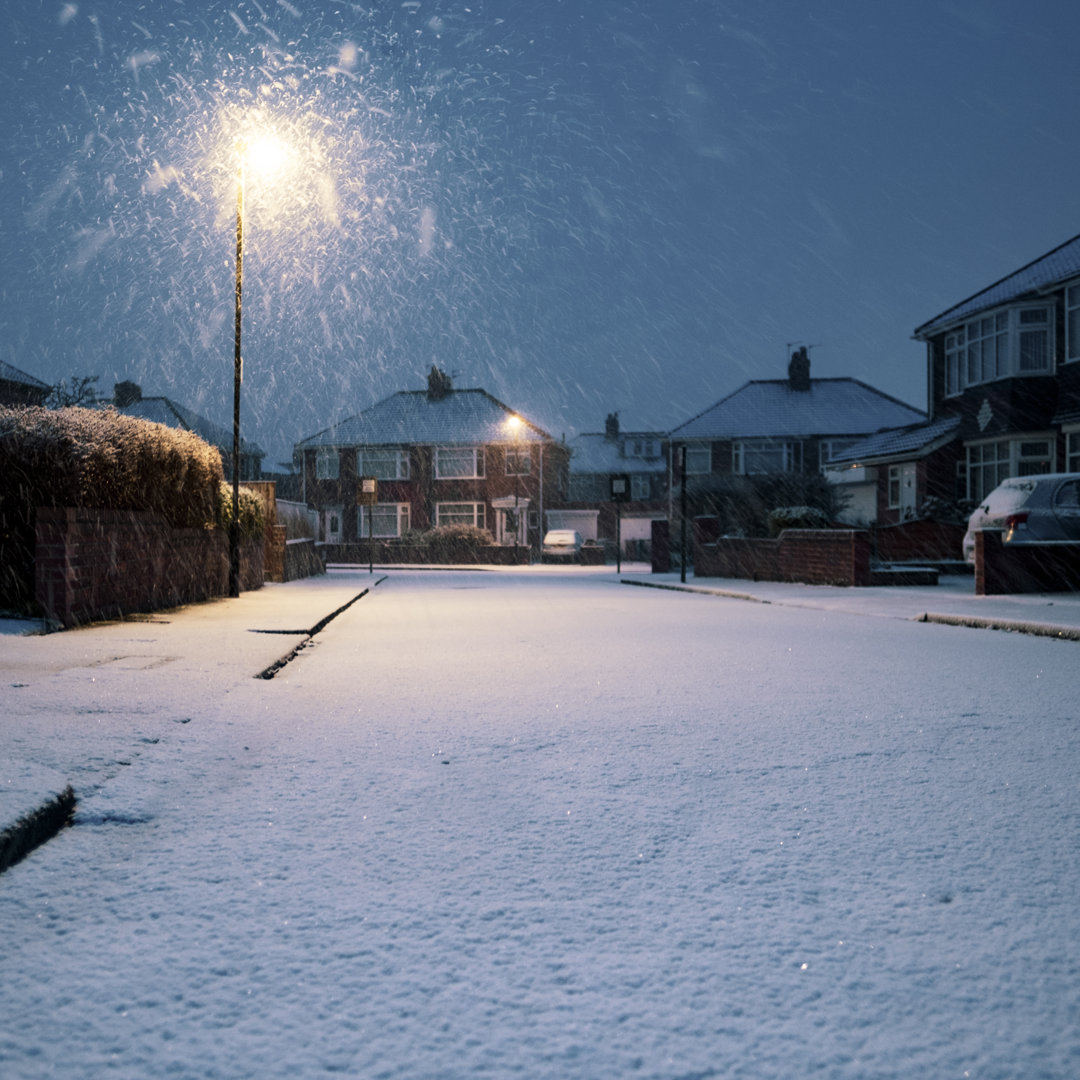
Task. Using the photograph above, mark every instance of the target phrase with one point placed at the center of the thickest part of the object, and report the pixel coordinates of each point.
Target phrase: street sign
(367, 491)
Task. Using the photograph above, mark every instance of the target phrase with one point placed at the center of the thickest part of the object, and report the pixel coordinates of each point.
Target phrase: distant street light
(514, 426)
(266, 154)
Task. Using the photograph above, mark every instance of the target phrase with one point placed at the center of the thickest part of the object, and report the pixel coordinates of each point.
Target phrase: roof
(770, 408)
(912, 441)
(12, 374)
(414, 417)
(1051, 269)
(162, 410)
(596, 453)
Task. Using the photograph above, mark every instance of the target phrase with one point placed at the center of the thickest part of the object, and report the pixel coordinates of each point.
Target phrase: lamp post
(238, 374)
(267, 154)
(514, 424)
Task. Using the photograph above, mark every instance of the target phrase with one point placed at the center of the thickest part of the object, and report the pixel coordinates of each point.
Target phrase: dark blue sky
(579, 207)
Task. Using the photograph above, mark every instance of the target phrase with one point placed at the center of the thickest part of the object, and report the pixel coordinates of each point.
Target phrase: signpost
(620, 493)
(367, 494)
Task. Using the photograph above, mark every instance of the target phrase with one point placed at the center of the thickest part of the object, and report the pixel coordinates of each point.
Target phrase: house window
(639, 486)
(829, 448)
(383, 464)
(988, 464)
(894, 487)
(387, 520)
(764, 456)
(1016, 341)
(698, 459)
(459, 463)
(1072, 451)
(641, 448)
(459, 513)
(326, 464)
(1072, 323)
(518, 462)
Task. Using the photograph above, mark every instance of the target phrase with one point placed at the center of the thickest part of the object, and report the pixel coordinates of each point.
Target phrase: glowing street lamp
(514, 426)
(264, 154)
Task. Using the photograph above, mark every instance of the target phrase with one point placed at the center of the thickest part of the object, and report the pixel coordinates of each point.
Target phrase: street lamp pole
(238, 374)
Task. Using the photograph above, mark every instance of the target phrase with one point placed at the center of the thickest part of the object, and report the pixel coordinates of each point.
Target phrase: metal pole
(238, 374)
(618, 538)
(682, 513)
(370, 539)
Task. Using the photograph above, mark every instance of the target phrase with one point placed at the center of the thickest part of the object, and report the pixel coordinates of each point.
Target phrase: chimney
(798, 371)
(439, 384)
(126, 393)
(611, 427)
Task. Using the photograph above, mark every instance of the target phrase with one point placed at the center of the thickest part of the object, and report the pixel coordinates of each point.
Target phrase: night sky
(580, 207)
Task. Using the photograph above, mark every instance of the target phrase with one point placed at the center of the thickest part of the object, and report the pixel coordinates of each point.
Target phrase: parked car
(562, 544)
(1029, 510)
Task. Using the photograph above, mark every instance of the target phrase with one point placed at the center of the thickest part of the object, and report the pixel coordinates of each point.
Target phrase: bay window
(759, 457)
(1014, 341)
(989, 463)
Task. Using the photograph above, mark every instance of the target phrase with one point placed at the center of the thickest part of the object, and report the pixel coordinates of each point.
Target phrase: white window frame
(1072, 449)
(640, 488)
(746, 456)
(1000, 344)
(993, 460)
(469, 458)
(384, 463)
(327, 463)
(383, 513)
(521, 457)
(698, 455)
(460, 513)
(1072, 323)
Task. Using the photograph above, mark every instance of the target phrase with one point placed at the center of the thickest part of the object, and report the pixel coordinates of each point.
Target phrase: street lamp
(266, 153)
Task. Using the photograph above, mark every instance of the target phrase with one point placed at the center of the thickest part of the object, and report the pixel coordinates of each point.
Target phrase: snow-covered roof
(770, 408)
(1048, 270)
(162, 410)
(9, 373)
(912, 441)
(596, 453)
(416, 417)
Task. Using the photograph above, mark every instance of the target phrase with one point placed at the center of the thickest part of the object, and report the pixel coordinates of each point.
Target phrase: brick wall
(933, 541)
(811, 556)
(1001, 570)
(98, 564)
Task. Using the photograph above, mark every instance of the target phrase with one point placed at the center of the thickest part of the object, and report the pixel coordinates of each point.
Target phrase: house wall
(811, 556)
(97, 564)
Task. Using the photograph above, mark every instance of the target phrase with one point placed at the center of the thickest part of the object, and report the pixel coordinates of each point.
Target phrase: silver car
(1029, 510)
(562, 544)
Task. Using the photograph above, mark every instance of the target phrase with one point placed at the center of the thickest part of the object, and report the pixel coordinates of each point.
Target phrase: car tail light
(1015, 521)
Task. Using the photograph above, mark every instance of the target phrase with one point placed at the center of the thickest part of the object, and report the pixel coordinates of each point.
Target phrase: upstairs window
(383, 464)
(459, 463)
(764, 456)
(1072, 322)
(518, 462)
(327, 464)
(639, 486)
(698, 459)
(1016, 341)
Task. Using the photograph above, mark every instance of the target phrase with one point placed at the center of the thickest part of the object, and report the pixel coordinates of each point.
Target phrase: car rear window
(1068, 497)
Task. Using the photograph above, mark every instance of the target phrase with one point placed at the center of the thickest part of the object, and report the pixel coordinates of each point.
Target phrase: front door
(907, 491)
(332, 524)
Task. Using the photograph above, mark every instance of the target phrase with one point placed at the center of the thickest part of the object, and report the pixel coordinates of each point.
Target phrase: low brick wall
(100, 564)
(302, 558)
(389, 553)
(915, 541)
(1001, 570)
(811, 556)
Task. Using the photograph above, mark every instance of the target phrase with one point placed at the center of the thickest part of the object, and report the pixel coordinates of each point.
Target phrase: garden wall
(391, 552)
(919, 541)
(811, 556)
(1000, 570)
(99, 564)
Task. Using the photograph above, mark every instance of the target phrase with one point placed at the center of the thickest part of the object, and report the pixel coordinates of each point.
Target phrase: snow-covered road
(542, 826)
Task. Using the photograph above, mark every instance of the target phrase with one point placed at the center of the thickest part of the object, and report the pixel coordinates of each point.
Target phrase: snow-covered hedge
(796, 517)
(94, 458)
(252, 521)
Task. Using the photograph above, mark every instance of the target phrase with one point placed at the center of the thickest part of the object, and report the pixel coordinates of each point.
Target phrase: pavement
(213, 644)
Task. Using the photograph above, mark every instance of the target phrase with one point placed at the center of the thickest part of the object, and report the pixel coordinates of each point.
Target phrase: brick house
(18, 388)
(1003, 377)
(641, 457)
(771, 427)
(441, 457)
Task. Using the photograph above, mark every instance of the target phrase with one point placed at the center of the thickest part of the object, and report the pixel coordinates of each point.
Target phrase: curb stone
(35, 828)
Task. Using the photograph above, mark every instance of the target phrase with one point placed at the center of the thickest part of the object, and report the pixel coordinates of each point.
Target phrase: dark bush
(94, 459)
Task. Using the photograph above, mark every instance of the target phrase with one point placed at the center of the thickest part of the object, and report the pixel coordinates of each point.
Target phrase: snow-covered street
(541, 825)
